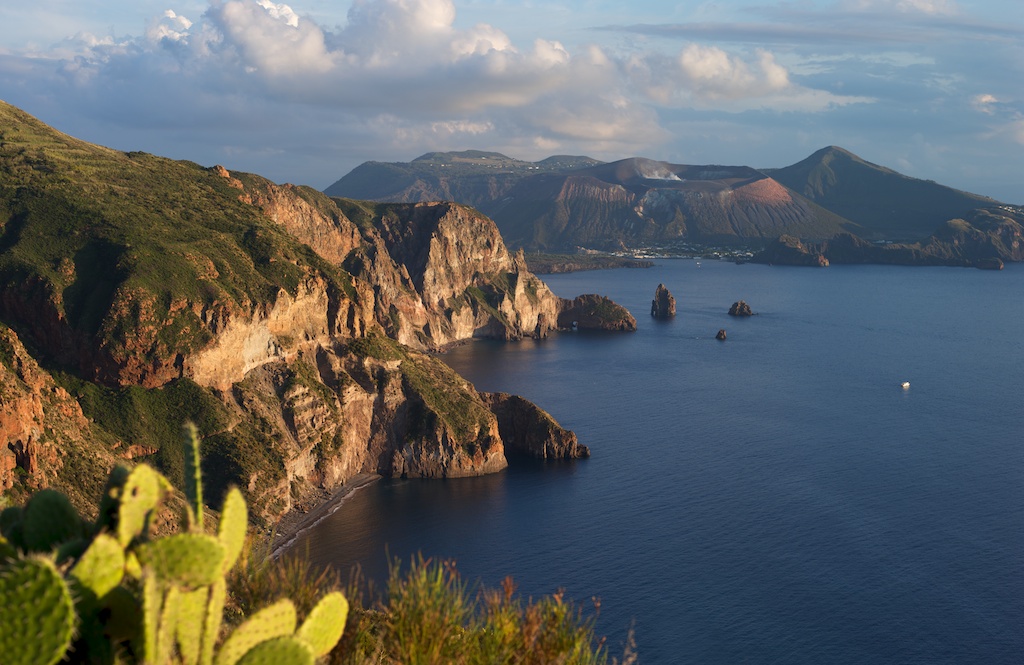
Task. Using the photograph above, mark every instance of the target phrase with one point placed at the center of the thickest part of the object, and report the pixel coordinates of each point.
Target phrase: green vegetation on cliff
(442, 395)
(124, 253)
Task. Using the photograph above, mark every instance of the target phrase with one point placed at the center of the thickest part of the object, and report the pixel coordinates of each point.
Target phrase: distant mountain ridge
(562, 202)
(566, 201)
(887, 204)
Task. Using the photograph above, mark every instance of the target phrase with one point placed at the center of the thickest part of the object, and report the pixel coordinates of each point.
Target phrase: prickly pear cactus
(101, 568)
(134, 596)
(234, 518)
(10, 517)
(193, 475)
(277, 620)
(279, 651)
(191, 621)
(48, 521)
(325, 624)
(37, 615)
(142, 492)
(185, 559)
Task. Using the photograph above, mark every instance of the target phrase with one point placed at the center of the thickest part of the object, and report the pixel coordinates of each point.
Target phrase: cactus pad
(277, 620)
(193, 474)
(234, 522)
(9, 517)
(37, 616)
(101, 567)
(168, 629)
(152, 604)
(188, 559)
(110, 501)
(49, 520)
(325, 624)
(214, 616)
(279, 651)
(191, 621)
(142, 492)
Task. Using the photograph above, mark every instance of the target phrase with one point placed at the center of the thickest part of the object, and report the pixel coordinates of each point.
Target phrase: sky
(304, 92)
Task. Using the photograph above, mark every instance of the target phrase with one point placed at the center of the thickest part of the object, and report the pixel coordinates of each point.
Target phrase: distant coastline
(548, 264)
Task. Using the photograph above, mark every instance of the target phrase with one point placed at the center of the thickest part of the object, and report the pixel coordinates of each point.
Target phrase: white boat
(905, 384)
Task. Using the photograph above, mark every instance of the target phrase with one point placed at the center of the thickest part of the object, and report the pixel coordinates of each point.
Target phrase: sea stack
(664, 305)
(740, 308)
(721, 335)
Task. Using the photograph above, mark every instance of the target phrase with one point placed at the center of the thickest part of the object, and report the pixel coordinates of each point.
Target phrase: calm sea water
(776, 498)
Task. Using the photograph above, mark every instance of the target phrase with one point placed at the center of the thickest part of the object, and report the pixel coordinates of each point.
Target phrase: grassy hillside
(107, 247)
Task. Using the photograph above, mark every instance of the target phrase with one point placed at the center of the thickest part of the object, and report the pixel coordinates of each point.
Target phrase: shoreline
(294, 523)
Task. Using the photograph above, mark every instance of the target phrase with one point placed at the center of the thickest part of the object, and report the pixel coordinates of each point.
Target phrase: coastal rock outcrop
(740, 308)
(594, 312)
(721, 335)
(664, 304)
(528, 430)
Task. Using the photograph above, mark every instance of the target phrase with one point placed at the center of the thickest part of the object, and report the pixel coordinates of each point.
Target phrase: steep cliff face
(371, 406)
(529, 431)
(39, 423)
(441, 274)
(155, 292)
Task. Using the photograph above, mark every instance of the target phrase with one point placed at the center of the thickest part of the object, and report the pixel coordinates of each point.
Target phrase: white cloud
(282, 11)
(266, 38)
(708, 77)
(983, 103)
(929, 7)
(170, 26)
(712, 73)
(402, 77)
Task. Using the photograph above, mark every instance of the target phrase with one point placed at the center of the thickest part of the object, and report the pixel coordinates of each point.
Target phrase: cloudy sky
(303, 92)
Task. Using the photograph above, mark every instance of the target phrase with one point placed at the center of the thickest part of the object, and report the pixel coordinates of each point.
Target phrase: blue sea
(774, 498)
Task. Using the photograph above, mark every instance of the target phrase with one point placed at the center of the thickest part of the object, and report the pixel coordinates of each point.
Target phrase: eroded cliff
(142, 292)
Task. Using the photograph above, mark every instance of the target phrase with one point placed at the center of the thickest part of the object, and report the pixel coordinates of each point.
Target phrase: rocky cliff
(441, 274)
(138, 292)
(529, 431)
